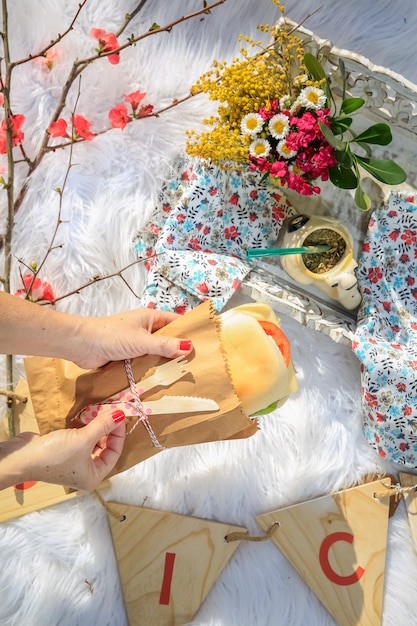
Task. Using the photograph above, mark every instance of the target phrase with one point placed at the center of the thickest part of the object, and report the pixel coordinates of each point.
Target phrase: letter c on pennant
(327, 568)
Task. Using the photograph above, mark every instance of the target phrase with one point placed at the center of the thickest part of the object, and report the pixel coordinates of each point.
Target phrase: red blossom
(106, 42)
(145, 110)
(58, 128)
(231, 233)
(394, 235)
(82, 128)
(234, 198)
(16, 123)
(409, 236)
(202, 287)
(119, 116)
(374, 274)
(35, 289)
(194, 244)
(134, 99)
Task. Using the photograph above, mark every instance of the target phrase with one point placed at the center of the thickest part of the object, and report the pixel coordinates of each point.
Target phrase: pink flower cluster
(35, 289)
(311, 155)
(119, 116)
(107, 42)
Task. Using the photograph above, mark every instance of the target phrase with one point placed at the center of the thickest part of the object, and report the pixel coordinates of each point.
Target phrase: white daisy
(285, 102)
(251, 124)
(312, 98)
(259, 148)
(284, 151)
(279, 126)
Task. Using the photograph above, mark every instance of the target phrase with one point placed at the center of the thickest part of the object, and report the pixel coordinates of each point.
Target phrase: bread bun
(258, 369)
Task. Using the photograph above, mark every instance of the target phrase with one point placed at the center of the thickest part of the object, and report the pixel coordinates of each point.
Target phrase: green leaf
(343, 178)
(378, 133)
(344, 158)
(362, 200)
(267, 409)
(340, 125)
(314, 67)
(351, 104)
(330, 138)
(155, 26)
(384, 170)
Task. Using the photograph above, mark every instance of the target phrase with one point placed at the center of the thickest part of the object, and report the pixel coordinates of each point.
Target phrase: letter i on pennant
(337, 544)
(163, 583)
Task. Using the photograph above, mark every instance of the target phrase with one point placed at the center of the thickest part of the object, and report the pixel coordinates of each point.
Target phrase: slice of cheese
(257, 367)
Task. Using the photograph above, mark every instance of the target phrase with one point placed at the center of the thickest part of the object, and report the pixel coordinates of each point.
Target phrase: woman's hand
(125, 336)
(74, 457)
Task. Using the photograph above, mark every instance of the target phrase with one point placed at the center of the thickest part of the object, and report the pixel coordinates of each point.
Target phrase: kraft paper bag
(59, 390)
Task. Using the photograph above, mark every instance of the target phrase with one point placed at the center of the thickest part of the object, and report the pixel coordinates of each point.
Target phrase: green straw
(257, 252)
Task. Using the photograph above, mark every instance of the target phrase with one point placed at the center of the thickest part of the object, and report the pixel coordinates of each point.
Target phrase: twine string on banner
(109, 509)
(139, 407)
(239, 536)
(394, 490)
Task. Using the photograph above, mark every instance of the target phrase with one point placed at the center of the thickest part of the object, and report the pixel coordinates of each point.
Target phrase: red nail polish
(118, 416)
(185, 345)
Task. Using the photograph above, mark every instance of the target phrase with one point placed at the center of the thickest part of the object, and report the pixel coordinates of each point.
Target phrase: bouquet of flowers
(278, 115)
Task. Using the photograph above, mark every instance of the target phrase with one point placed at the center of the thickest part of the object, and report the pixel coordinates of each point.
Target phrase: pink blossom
(301, 186)
(134, 99)
(145, 110)
(48, 59)
(2, 169)
(1, 98)
(35, 289)
(16, 123)
(279, 169)
(119, 116)
(58, 128)
(269, 110)
(82, 128)
(106, 42)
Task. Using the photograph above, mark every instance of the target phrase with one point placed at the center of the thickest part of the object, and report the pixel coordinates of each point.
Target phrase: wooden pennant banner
(337, 544)
(30, 496)
(410, 480)
(167, 563)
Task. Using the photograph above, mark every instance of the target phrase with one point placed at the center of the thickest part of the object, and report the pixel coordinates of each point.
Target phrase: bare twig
(97, 279)
(52, 43)
(129, 17)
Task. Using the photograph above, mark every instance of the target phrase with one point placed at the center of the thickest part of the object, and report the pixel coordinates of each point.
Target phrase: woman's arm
(30, 329)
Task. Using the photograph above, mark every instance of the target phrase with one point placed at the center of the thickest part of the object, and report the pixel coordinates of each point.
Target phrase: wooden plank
(337, 544)
(167, 563)
(28, 497)
(410, 480)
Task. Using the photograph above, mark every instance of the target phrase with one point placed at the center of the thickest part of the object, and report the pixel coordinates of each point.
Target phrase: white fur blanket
(313, 446)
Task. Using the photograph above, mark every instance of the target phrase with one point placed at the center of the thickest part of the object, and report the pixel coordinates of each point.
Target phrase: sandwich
(259, 357)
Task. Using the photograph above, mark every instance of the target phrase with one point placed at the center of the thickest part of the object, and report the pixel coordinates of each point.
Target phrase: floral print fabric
(386, 335)
(196, 239)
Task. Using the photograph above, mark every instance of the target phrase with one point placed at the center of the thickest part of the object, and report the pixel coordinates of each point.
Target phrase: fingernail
(118, 416)
(186, 345)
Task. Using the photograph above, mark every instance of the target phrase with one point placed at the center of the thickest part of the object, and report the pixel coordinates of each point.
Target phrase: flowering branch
(12, 135)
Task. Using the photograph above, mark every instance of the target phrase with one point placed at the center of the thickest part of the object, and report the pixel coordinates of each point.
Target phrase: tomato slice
(280, 339)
